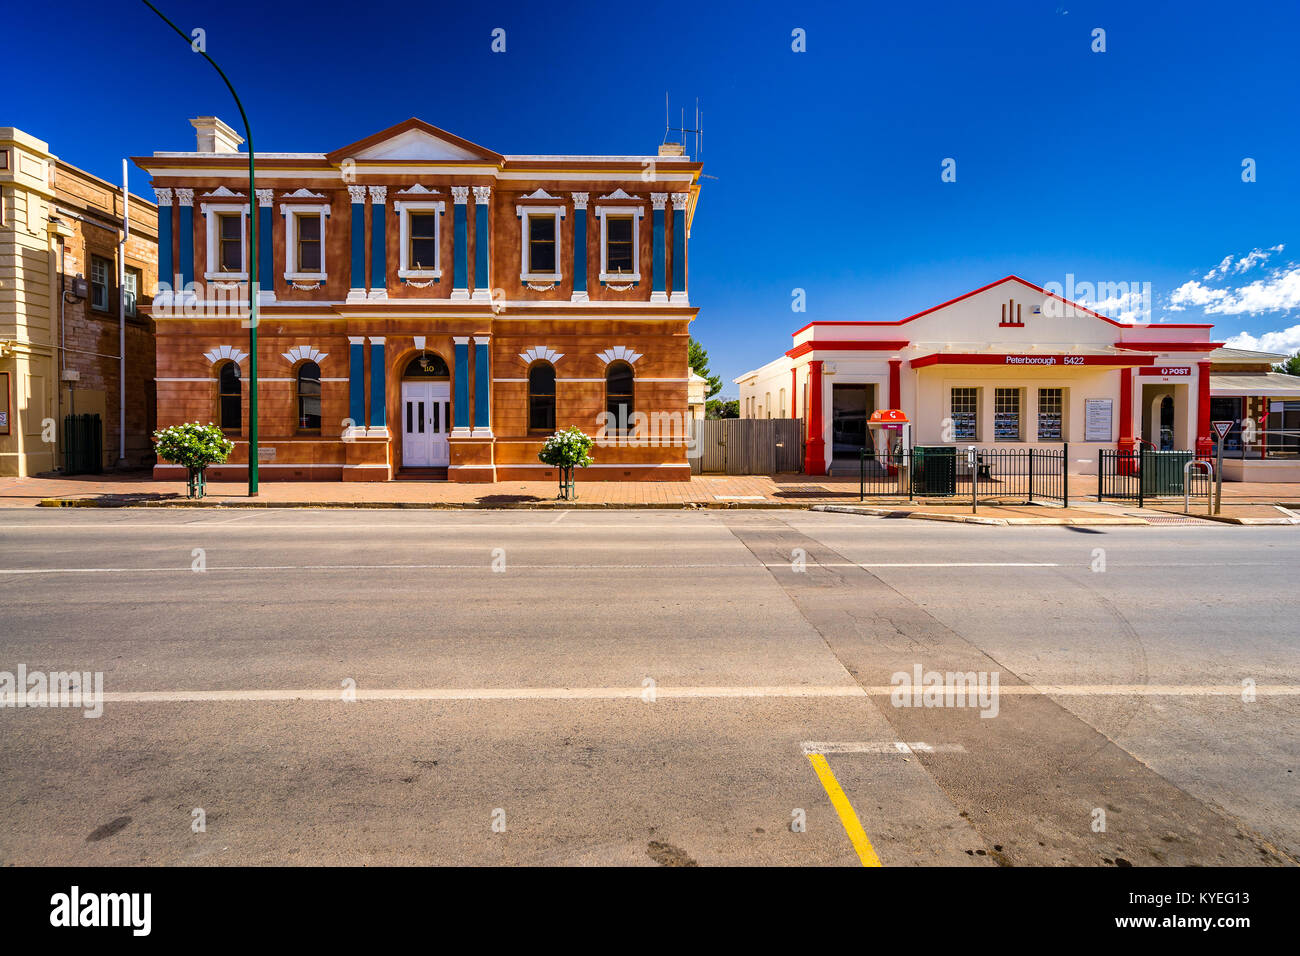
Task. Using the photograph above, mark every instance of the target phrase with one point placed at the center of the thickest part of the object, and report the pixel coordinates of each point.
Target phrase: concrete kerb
(982, 519)
(879, 511)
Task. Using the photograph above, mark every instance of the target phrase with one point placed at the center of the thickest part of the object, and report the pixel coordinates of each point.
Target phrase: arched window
(618, 397)
(427, 365)
(541, 397)
(309, 397)
(230, 398)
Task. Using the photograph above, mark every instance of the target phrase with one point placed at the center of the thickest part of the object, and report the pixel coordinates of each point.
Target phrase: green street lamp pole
(252, 265)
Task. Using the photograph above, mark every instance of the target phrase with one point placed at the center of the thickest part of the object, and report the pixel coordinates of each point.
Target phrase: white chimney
(215, 136)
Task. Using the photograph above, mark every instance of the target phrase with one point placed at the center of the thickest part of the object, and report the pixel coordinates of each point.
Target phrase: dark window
(309, 397)
(99, 270)
(309, 244)
(618, 398)
(541, 397)
(230, 397)
(423, 254)
(541, 244)
(131, 290)
(230, 242)
(619, 254)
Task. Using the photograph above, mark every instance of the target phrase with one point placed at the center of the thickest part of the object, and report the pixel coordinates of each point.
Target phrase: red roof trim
(985, 288)
(843, 345)
(1169, 346)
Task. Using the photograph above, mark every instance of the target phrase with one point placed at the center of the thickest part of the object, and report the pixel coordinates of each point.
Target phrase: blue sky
(1115, 166)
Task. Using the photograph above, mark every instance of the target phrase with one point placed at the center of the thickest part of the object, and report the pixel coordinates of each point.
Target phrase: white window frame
(210, 213)
(291, 212)
(526, 273)
(1008, 391)
(1038, 413)
(636, 212)
(952, 413)
(94, 293)
(404, 208)
(132, 278)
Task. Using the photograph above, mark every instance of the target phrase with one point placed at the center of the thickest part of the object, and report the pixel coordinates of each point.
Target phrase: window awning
(1259, 384)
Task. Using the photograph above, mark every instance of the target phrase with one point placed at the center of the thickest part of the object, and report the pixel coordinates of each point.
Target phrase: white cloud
(1279, 292)
(1287, 341)
(1220, 270)
(1256, 257)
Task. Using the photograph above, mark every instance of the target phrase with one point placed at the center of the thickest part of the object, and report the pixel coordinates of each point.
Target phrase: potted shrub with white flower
(567, 449)
(195, 447)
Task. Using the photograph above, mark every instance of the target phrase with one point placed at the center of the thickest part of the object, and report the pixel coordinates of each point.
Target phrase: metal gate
(1139, 475)
(82, 445)
(946, 471)
(748, 446)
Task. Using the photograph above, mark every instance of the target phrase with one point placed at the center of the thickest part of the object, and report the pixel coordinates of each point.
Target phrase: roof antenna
(698, 128)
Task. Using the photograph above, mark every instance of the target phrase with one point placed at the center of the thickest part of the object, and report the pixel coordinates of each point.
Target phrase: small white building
(697, 389)
(1012, 364)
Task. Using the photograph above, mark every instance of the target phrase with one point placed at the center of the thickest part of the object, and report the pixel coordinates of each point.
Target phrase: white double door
(426, 422)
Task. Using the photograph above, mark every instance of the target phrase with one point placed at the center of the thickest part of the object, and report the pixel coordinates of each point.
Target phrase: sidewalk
(1257, 503)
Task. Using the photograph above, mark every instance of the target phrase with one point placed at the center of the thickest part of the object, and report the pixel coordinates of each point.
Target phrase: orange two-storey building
(426, 306)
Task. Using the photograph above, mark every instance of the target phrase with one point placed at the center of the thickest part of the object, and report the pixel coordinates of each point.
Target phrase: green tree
(194, 446)
(567, 449)
(699, 362)
(1291, 366)
(722, 408)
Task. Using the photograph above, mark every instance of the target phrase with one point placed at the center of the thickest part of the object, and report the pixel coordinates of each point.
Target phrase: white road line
(879, 747)
(335, 695)
(486, 566)
(482, 694)
(395, 525)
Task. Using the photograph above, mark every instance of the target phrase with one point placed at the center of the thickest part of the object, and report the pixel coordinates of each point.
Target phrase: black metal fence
(989, 474)
(83, 452)
(1140, 475)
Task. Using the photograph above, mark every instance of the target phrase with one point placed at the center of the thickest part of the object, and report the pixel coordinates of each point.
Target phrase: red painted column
(794, 393)
(1126, 442)
(895, 383)
(1203, 444)
(815, 450)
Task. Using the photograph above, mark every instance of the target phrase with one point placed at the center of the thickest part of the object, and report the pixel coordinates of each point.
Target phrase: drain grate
(1162, 519)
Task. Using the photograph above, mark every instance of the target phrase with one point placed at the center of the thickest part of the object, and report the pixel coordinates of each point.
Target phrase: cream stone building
(72, 294)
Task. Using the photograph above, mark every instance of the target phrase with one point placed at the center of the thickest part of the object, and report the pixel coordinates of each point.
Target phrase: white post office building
(1012, 364)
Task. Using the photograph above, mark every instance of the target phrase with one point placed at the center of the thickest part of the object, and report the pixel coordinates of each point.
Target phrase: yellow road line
(852, 826)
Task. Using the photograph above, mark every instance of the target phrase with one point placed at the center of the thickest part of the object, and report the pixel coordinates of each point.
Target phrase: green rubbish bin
(934, 471)
(1162, 472)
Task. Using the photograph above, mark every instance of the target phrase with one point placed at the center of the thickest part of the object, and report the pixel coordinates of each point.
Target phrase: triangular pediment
(415, 141)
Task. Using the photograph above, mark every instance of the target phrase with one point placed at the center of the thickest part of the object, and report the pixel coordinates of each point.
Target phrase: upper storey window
(230, 242)
(541, 244)
(619, 259)
(304, 241)
(620, 240)
(420, 239)
(227, 234)
(540, 232)
(423, 248)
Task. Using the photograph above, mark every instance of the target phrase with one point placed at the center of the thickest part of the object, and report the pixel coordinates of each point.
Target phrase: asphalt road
(645, 688)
